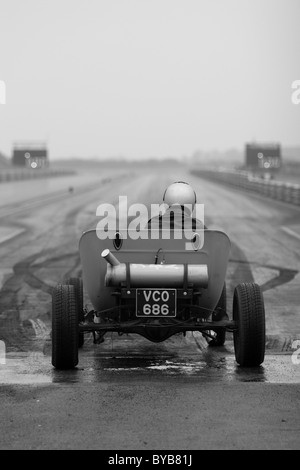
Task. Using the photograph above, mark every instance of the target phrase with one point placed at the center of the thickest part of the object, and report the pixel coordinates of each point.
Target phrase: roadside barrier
(19, 175)
(287, 192)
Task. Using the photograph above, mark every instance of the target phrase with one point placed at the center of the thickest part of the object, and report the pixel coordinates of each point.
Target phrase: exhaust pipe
(110, 258)
(153, 275)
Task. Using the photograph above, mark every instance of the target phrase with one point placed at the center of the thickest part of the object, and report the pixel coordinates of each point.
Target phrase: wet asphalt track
(126, 373)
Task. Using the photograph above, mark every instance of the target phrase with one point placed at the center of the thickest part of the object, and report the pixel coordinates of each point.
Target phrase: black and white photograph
(150, 227)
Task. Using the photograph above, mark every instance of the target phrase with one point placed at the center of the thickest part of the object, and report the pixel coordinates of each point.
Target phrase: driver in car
(180, 200)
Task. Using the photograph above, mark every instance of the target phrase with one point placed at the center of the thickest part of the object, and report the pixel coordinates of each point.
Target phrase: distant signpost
(263, 159)
(30, 155)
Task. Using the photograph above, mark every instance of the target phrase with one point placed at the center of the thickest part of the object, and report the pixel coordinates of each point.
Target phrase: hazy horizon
(142, 79)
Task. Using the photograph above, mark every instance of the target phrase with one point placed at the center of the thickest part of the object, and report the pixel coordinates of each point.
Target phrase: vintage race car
(156, 287)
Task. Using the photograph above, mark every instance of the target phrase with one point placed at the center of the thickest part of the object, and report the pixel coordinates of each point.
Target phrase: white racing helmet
(180, 193)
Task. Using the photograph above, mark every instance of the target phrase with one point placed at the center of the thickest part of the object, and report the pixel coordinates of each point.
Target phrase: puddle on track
(94, 367)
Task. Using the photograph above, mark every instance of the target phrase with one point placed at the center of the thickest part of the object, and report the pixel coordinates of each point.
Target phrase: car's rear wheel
(64, 327)
(78, 286)
(249, 315)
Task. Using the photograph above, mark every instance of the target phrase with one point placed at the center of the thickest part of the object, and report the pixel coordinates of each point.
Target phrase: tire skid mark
(281, 343)
(243, 271)
(284, 276)
(31, 333)
(19, 335)
(40, 328)
(25, 272)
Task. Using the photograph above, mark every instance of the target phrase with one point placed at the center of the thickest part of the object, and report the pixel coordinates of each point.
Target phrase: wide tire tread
(64, 327)
(78, 285)
(249, 340)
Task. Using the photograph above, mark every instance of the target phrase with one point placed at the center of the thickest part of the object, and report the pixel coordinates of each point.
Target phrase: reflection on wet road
(133, 357)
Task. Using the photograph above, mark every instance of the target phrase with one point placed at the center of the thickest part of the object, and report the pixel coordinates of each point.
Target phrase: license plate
(153, 303)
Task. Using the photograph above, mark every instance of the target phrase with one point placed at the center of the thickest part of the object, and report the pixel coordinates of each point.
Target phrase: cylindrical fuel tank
(156, 275)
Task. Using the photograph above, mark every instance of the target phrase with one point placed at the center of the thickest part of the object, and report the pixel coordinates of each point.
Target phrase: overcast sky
(143, 78)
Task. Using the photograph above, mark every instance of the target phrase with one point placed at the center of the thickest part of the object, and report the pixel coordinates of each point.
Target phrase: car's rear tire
(64, 327)
(78, 286)
(249, 315)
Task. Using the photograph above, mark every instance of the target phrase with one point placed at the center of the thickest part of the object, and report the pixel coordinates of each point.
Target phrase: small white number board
(156, 303)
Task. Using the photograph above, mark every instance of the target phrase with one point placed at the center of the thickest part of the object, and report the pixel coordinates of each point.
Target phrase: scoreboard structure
(30, 155)
(263, 157)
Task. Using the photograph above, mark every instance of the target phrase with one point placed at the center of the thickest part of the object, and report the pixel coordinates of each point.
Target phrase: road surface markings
(6, 233)
(5, 273)
(40, 328)
(291, 232)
